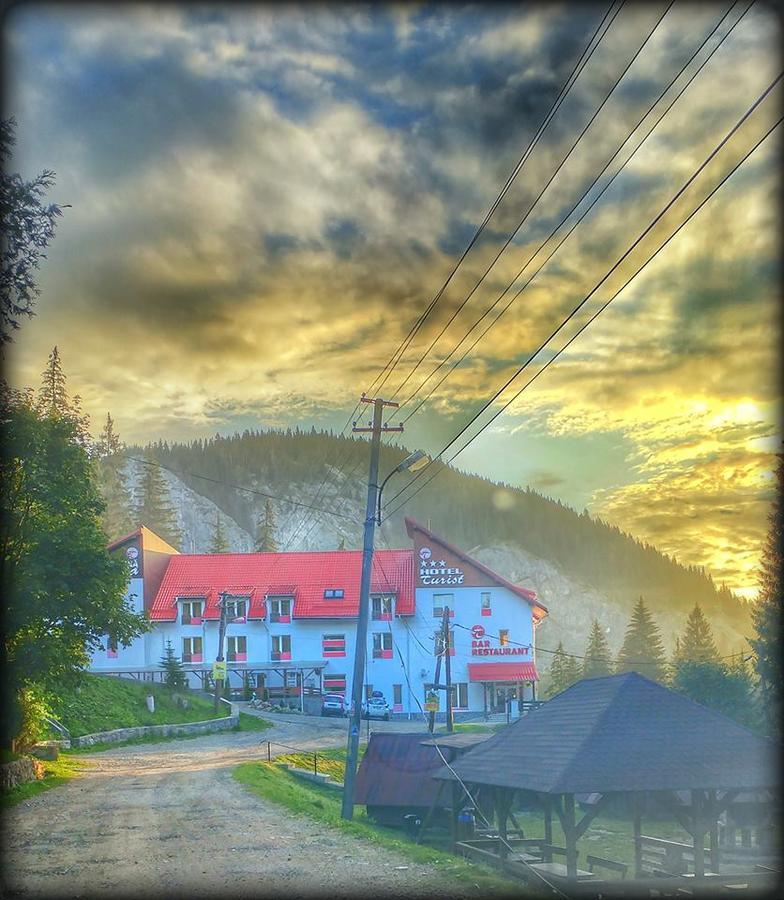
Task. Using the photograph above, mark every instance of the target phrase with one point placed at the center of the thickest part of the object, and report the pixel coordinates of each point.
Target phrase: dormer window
(382, 609)
(191, 612)
(333, 594)
(236, 609)
(280, 609)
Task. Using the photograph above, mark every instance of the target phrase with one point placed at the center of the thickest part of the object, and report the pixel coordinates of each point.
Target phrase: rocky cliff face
(572, 604)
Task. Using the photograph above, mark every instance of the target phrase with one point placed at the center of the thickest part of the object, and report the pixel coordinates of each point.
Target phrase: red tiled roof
(502, 671)
(259, 574)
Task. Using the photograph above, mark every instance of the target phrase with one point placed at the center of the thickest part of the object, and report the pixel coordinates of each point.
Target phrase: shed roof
(397, 770)
(458, 740)
(621, 733)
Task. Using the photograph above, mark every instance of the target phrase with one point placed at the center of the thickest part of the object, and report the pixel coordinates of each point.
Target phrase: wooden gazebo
(622, 734)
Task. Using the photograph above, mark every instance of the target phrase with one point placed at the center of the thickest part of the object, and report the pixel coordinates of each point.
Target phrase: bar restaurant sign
(481, 646)
(436, 571)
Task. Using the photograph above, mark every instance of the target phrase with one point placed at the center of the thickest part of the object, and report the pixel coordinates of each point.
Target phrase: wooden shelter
(612, 735)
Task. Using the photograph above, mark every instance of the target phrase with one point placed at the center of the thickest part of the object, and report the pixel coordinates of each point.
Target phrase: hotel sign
(480, 645)
(436, 571)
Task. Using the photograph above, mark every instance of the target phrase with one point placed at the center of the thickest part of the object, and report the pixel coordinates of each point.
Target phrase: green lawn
(56, 772)
(103, 703)
(322, 804)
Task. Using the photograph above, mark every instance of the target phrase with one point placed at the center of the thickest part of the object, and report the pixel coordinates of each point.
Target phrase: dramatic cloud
(264, 199)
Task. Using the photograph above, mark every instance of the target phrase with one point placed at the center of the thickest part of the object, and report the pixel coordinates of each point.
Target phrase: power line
(393, 361)
(531, 207)
(674, 199)
(581, 217)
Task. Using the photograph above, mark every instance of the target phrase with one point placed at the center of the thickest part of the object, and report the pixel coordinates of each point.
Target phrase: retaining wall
(142, 731)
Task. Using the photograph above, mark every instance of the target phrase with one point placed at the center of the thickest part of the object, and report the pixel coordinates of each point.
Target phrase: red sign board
(477, 632)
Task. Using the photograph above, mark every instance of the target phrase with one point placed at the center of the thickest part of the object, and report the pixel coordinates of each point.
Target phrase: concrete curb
(316, 777)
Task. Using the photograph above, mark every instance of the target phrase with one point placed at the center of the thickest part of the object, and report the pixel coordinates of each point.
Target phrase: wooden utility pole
(219, 657)
(450, 725)
(360, 646)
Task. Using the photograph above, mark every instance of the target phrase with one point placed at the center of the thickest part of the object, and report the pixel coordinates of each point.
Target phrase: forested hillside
(472, 512)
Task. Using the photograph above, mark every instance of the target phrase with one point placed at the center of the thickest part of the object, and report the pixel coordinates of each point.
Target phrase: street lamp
(413, 463)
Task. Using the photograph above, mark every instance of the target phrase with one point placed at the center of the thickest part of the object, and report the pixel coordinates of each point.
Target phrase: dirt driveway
(168, 819)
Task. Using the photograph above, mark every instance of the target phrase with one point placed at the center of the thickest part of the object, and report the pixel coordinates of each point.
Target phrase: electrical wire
(579, 306)
(581, 217)
(575, 73)
(539, 197)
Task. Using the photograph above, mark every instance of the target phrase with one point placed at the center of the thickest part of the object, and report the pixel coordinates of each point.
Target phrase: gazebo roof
(620, 733)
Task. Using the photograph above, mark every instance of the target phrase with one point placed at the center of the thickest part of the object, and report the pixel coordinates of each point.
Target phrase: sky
(264, 199)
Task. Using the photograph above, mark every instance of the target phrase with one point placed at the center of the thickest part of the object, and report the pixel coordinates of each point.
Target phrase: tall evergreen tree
(642, 649)
(218, 544)
(117, 518)
(766, 613)
(154, 507)
(696, 644)
(342, 544)
(597, 660)
(564, 671)
(266, 539)
(53, 400)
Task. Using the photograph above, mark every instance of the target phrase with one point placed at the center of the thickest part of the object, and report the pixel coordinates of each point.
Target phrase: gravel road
(169, 820)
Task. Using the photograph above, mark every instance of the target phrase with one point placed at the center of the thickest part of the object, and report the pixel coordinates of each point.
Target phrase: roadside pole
(360, 645)
(431, 723)
(450, 726)
(219, 657)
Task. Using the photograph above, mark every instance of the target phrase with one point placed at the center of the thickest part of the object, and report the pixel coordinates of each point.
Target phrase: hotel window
(460, 695)
(280, 609)
(191, 650)
(238, 649)
(236, 609)
(281, 646)
(333, 594)
(397, 697)
(111, 648)
(442, 600)
(382, 609)
(486, 609)
(503, 637)
(191, 612)
(334, 684)
(438, 642)
(382, 645)
(333, 645)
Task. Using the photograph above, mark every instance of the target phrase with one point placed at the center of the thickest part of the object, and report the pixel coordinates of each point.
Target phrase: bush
(33, 710)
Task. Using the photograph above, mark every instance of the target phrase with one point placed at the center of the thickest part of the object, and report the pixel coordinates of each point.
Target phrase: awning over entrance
(502, 671)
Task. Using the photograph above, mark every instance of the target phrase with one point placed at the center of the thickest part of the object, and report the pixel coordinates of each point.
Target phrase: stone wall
(19, 771)
(144, 731)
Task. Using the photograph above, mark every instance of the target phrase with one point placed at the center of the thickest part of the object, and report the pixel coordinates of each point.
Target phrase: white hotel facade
(292, 625)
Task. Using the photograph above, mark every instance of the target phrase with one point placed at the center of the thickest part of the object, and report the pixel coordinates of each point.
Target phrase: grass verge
(323, 805)
(56, 772)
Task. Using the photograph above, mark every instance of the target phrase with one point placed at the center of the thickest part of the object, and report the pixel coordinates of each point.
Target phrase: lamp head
(417, 460)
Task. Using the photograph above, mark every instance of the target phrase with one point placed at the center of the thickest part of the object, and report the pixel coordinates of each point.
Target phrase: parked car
(334, 705)
(376, 708)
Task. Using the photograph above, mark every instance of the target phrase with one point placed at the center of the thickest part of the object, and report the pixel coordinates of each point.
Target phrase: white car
(376, 708)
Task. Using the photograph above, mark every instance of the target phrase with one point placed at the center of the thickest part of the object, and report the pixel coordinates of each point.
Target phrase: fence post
(315, 763)
(269, 752)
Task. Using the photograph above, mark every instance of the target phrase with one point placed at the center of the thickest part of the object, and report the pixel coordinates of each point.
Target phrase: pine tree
(766, 612)
(219, 544)
(172, 665)
(696, 644)
(117, 518)
(154, 508)
(266, 540)
(564, 671)
(342, 544)
(642, 649)
(53, 396)
(597, 660)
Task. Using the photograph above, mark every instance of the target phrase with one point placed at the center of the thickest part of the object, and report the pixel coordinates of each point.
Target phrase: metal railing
(295, 749)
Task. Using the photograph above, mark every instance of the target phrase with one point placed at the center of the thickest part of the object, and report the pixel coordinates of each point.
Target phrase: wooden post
(484, 698)
(637, 836)
(503, 805)
(455, 803)
(548, 825)
(714, 832)
(699, 834)
(570, 837)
